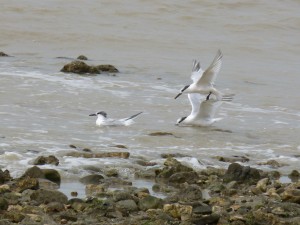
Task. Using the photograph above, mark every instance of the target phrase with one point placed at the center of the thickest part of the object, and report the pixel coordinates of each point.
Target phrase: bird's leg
(207, 98)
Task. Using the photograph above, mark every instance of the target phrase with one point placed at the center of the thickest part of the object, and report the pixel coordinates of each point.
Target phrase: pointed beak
(178, 95)
(93, 114)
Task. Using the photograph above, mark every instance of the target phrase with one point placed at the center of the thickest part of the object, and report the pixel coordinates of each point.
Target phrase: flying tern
(103, 120)
(203, 110)
(203, 81)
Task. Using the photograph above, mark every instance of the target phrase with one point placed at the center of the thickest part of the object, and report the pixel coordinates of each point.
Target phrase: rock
(294, 174)
(172, 166)
(4, 188)
(79, 67)
(33, 172)
(26, 183)
(3, 204)
(188, 193)
(273, 164)
(95, 189)
(183, 212)
(291, 195)
(111, 172)
(119, 195)
(2, 54)
(107, 68)
(92, 179)
(44, 196)
(124, 155)
(119, 146)
(182, 177)
(205, 219)
(173, 155)
(241, 173)
(42, 160)
(146, 174)
(202, 209)
(150, 202)
(145, 163)
(52, 175)
(232, 159)
(159, 133)
(126, 206)
(4, 176)
(54, 207)
(82, 57)
(262, 184)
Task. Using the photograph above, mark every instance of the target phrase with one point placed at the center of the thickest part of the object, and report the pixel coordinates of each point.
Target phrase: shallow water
(43, 111)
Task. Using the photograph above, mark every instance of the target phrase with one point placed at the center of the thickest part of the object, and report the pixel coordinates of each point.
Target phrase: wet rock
(182, 177)
(26, 183)
(111, 172)
(52, 175)
(82, 57)
(120, 195)
(294, 175)
(172, 166)
(4, 188)
(47, 184)
(146, 174)
(42, 160)
(159, 133)
(119, 146)
(187, 194)
(3, 204)
(126, 206)
(273, 164)
(34, 172)
(262, 184)
(232, 159)
(205, 219)
(107, 68)
(291, 193)
(54, 207)
(145, 163)
(46, 196)
(14, 217)
(182, 212)
(150, 202)
(173, 155)
(124, 155)
(202, 209)
(241, 173)
(4, 176)
(79, 67)
(92, 179)
(2, 54)
(95, 189)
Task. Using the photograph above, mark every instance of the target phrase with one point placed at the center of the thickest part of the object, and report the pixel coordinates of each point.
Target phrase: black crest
(102, 113)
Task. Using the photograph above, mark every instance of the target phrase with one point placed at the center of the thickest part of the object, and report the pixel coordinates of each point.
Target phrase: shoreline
(171, 194)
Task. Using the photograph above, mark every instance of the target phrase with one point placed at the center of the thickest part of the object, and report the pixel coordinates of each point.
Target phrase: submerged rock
(92, 179)
(232, 159)
(2, 54)
(107, 68)
(123, 155)
(42, 160)
(80, 67)
(82, 57)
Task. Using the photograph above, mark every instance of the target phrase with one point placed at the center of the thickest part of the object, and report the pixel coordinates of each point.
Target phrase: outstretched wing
(196, 71)
(208, 109)
(131, 117)
(210, 74)
(195, 100)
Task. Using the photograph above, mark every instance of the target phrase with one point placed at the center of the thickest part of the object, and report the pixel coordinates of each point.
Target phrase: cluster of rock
(80, 67)
(239, 195)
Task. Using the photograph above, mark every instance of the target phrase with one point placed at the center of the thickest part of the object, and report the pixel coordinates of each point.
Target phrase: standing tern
(102, 120)
(203, 81)
(203, 110)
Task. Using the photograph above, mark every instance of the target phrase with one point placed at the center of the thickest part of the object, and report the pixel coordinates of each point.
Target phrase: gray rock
(150, 202)
(126, 206)
(46, 196)
(92, 179)
(182, 177)
(241, 173)
(42, 160)
(34, 172)
(52, 175)
(3, 204)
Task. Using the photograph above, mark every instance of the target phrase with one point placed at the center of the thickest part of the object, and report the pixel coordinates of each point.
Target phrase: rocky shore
(237, 195)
